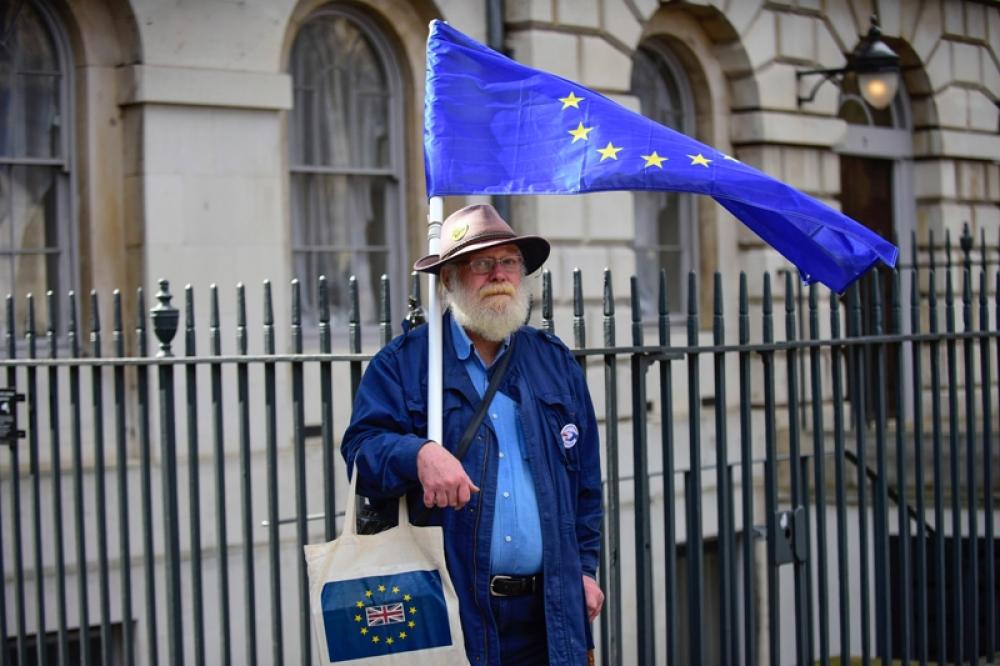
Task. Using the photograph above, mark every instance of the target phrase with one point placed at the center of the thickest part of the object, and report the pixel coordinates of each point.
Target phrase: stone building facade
(228, 141)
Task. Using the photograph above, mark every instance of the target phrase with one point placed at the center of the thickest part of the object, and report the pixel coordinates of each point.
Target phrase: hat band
(482, 238)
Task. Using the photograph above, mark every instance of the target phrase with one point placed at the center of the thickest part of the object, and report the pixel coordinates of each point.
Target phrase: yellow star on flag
(368, 593)
(364, 630)
(571, 100)
(360, 604)
(413, 610)
(402, 634)
(389, 641)
(375, 639)
(654, 160)
(395, 590)
(580, 132)
(699, 159)
(411, 624)
(609, 152)
(381, 588)
(357, 618)
(406, 597)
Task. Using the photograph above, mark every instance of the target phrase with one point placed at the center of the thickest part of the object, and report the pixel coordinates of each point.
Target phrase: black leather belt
(515, 586)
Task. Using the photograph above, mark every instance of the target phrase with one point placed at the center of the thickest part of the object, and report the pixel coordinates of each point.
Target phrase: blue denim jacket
(389, 425)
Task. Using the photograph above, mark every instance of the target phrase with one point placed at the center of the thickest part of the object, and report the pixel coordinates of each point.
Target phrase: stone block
(965, 63)
(844, 30)
(559, 217)
(830, 171)
(971, 180)
(802, 169)
(604, 67)
(610, 216)
(578, 13)
(766, 158)
(778, 87)
(246, 36)
(760, 39)
(934, 179)
(469, 17)
(975, 21)
(923, 112)
(745, 92)
(993, 26)
(589, 259)
(753, 127)
(828, 51)
(622, 264)
(741, 14)
(516, 11)
(986, 217)
(889, 18)
(927, 32)
(938, 68)
(960, 144)
(554, 52)
(198, 86)
(630, 102)
(993, 181)
(953, 19)
(991, 71)
(952, 107)
(646, 8)
(621, 24)
(796, 37)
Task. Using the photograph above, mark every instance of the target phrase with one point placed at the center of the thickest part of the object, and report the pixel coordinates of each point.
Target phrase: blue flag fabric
(378, 615)
(493, 126)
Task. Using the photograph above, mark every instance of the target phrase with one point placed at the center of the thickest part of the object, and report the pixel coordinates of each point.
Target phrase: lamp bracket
(825, 75)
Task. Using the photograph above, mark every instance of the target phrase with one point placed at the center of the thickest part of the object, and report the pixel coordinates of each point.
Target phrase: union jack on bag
(384, 598)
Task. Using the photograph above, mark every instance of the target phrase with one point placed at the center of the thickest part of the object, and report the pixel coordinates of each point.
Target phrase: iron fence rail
(148, 556)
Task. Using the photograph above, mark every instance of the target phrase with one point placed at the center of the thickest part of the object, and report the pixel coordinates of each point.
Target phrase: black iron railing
(156, 506)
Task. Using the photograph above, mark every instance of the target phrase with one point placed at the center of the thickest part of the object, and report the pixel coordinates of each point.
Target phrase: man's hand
(592, 596)
(443, 477)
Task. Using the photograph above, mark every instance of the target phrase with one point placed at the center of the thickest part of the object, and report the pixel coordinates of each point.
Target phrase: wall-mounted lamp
(875, 64)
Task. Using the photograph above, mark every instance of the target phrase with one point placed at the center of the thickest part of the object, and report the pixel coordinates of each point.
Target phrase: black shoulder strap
(498, 373)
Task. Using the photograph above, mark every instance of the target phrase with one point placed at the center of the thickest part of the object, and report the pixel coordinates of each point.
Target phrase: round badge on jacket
(570, 434)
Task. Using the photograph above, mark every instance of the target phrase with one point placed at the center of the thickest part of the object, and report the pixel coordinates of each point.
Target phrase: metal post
(194, 482)
(165, 317)
(640, 462)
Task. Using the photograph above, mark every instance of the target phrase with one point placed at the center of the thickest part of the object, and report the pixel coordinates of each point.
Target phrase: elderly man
(521, 508)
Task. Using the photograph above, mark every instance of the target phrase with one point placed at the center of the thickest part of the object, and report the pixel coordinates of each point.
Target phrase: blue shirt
(517, 534)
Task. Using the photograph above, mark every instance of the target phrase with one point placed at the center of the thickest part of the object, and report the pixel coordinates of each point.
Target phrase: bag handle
(350, 512)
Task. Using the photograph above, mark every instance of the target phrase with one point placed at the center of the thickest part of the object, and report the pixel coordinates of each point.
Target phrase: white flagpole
(435, 382)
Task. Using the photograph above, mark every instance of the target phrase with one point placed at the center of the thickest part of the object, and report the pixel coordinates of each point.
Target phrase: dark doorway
(867, 196)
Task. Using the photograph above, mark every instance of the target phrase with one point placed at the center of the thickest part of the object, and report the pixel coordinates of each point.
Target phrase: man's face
(486, 293)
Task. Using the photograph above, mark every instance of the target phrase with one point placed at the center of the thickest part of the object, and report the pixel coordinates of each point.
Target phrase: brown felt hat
(478, 227)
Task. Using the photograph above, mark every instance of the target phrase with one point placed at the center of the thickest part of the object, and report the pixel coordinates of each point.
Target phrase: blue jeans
(521, 624)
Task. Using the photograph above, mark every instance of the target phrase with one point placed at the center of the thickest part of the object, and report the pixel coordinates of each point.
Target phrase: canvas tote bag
(384, 598)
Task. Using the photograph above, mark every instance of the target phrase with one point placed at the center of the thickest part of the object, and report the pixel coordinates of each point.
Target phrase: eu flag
(493, 126)
(378, 615)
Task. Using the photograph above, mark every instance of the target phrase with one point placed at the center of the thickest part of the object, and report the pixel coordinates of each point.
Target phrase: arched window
(346, 161)
(36, 216)
(665, 234)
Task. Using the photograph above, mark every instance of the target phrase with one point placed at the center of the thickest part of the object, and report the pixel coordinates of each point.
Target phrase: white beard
(492, 318)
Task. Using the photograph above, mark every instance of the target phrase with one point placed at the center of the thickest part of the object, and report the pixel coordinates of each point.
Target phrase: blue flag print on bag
(384, 599)
(377, 615)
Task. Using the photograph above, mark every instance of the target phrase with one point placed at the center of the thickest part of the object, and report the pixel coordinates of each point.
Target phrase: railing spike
(636, 308)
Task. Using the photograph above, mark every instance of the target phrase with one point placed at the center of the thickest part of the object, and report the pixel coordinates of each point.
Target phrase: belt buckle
(493, 590)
